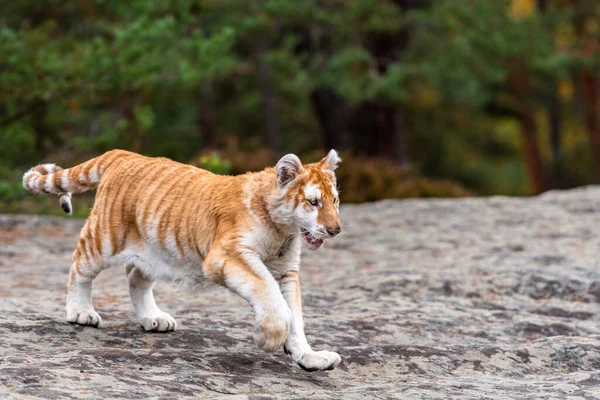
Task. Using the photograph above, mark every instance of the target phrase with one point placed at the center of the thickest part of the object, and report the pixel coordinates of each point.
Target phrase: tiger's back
(165, 213)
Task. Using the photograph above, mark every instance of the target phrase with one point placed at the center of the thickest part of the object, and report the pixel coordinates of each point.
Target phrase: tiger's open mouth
(311, 240)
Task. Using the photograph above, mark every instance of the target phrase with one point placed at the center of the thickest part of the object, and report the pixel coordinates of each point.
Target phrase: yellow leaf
(565, 90)
(591, 25)
(521, 9)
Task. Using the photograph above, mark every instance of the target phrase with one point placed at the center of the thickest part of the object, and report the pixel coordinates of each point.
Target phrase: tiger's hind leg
(87, 264)
(79, 299)
(148, 314)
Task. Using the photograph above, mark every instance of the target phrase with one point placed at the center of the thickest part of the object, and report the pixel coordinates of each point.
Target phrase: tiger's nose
(335, 231)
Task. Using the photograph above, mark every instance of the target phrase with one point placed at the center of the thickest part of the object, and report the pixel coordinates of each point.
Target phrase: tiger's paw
(84, 317)
(319, 361)
(162, 322)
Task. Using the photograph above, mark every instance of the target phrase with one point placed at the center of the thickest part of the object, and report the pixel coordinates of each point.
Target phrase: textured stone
(475, 298)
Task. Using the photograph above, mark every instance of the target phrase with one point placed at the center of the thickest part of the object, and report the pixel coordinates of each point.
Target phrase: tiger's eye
(313, 202)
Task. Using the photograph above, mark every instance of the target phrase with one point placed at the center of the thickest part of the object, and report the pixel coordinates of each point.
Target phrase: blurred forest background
(423, 97)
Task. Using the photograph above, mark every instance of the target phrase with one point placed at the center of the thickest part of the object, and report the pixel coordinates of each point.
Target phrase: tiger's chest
(282, 256)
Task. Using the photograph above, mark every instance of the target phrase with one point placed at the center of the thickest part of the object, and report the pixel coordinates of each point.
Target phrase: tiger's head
(310, 197)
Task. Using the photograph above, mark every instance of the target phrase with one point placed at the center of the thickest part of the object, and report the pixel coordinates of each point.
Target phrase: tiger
(162, 219)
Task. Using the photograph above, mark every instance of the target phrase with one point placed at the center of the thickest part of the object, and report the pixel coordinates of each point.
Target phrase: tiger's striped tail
(52, 179)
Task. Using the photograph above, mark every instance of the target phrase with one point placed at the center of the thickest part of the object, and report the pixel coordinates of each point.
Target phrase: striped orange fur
(163, 219)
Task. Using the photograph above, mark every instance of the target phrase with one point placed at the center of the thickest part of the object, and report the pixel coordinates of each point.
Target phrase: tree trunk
(267, 91)
(206, 119)
(365, 129)
(555, 121)
(588, 80)
(520, 86)
(134, 141)
(533, 157)
(398, 138)
(589, 84)
(332, 113)
(542, 5)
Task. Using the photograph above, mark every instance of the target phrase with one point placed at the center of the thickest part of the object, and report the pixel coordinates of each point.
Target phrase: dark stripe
(42, 183)
(177, 194)
(164, 219)
(193, 238)
(167, 172)
(128, 215)
(140, 184)
(86, 170)
(56, 180)
(121, 189)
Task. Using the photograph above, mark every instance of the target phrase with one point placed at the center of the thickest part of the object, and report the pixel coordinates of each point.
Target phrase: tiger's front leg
(296, 344)
(250, 278)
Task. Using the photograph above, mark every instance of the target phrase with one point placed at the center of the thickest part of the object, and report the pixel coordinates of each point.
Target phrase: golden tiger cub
(163, 219)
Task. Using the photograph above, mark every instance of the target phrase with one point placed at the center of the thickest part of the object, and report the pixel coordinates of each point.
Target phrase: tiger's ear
(287, 169)
(331, 161)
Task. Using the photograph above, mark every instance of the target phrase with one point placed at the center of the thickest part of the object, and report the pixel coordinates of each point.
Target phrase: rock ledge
(474, 298)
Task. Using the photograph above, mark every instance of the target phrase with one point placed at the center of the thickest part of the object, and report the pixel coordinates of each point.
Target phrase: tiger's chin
(313, 242)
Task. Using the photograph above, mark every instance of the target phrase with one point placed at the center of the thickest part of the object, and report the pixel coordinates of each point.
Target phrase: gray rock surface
(491, 298)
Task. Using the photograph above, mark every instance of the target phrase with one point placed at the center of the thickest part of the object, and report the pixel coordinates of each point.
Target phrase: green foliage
(171, 77)
(476, 69)
(465, 53)
(11, 191)
(214, 163)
